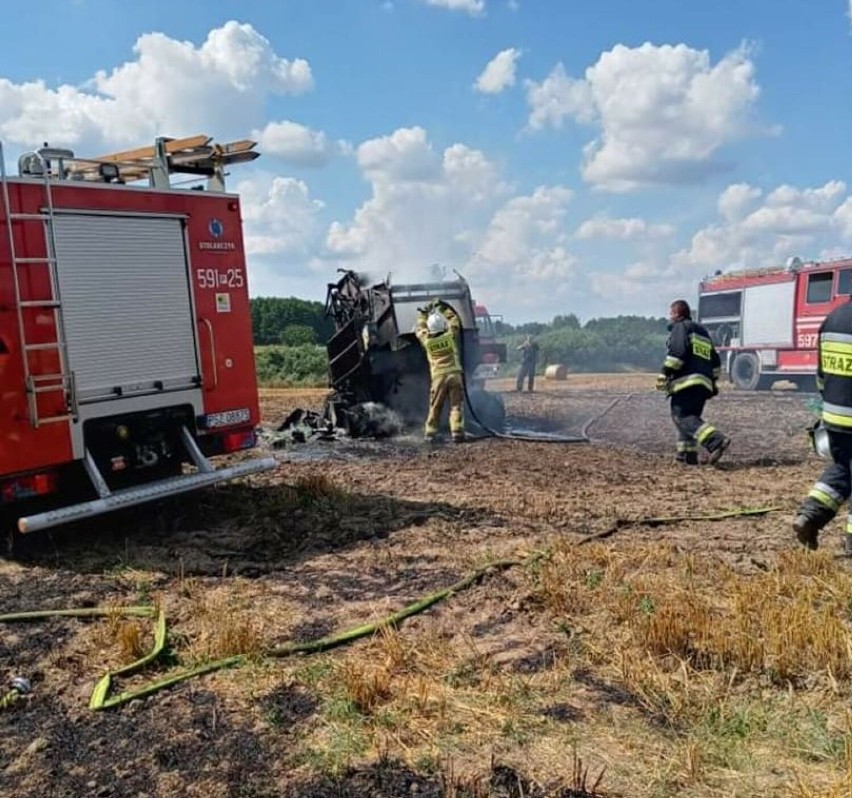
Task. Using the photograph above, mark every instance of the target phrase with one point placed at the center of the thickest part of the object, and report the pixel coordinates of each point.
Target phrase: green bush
(273, 316)
(292, 366)
(298, 335)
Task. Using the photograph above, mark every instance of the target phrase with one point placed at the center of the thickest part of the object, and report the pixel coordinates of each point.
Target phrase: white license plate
(227, 418)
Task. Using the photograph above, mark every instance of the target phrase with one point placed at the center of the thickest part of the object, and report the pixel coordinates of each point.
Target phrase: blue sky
(565, 156)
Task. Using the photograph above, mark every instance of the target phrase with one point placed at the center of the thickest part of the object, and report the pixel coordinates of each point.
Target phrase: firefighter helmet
(436, 323)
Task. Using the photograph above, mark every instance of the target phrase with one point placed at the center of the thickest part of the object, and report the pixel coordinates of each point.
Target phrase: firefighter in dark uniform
(689, 376)
(438, 330)
(529, 356)
(834, 382)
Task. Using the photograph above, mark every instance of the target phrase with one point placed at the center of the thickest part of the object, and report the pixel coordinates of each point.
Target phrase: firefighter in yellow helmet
(438, 330)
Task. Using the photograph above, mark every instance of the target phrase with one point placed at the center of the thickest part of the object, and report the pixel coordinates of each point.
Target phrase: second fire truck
(766, 322)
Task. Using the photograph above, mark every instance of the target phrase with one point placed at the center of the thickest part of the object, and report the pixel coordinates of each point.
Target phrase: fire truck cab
(125, 329)
(765, 323)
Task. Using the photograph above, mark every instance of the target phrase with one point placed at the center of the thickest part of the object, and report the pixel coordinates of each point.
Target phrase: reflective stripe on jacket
(442, 350)
(691, 359)
(834, 368)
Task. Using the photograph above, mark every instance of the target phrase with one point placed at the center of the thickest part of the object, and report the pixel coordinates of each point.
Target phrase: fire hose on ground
(101, 698)
(583, 437)
(492, 433)
(18, 688)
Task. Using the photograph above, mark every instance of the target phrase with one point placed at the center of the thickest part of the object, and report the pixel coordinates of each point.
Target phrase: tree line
(291, 321)
(617, 343)
(605, 344)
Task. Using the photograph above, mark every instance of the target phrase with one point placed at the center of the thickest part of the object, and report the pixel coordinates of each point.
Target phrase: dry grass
(728, 684)
(130, 641)
(669, 673)
(736, 667)
(314, 487)
(788, 624)
(366, 686)
(713, 682)
(224, 626)
(115, 641)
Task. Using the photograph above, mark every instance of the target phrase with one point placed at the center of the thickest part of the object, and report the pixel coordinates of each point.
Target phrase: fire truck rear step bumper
(129, 497)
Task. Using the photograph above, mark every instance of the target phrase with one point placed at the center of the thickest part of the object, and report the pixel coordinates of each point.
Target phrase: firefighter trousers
(527, 370)
(687, 407)
(446, 388)
(834, 485)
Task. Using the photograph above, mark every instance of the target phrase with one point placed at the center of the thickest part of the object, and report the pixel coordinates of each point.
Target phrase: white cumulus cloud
(788, 222)
(523, 261)
(405, 155)
(557, 97)
(737, 200)
(472, 7)
(171, 87)
(755, 228)
(295, 143)
(422, 207)
(279, 217)
(454, 208)
(499, 73)
(843, 219)
(622, 229)
(664, 112)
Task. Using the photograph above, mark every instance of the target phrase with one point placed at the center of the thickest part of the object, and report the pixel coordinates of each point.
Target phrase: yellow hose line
(623, 523)
(101, 699)
(8, 699)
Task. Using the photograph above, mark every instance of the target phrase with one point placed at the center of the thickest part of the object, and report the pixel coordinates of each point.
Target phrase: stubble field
(627, 640)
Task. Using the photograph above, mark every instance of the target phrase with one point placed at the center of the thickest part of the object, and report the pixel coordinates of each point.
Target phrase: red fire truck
(765, 322)
(125, 330)
(492, 352)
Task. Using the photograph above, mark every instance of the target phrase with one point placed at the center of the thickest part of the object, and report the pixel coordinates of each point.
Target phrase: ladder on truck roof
(38, 384)
(194, 155)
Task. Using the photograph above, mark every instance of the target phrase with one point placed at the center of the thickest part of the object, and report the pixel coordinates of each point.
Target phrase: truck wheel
(745, 372)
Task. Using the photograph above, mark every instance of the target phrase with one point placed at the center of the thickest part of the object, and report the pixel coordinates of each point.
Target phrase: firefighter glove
(662, 383)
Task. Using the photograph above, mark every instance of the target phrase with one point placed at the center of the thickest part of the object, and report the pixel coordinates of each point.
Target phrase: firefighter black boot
(719, 449)
(807, 531)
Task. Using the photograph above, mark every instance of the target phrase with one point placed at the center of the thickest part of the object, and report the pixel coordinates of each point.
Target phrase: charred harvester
(374, 356)
(125, 330)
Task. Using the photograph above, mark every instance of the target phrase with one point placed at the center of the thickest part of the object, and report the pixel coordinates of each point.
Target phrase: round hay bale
(556, 372)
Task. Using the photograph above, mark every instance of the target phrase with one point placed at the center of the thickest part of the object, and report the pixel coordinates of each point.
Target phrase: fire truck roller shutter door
(126, 306)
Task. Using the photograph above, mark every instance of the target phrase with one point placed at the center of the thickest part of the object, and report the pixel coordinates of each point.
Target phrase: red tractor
(491, 353)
